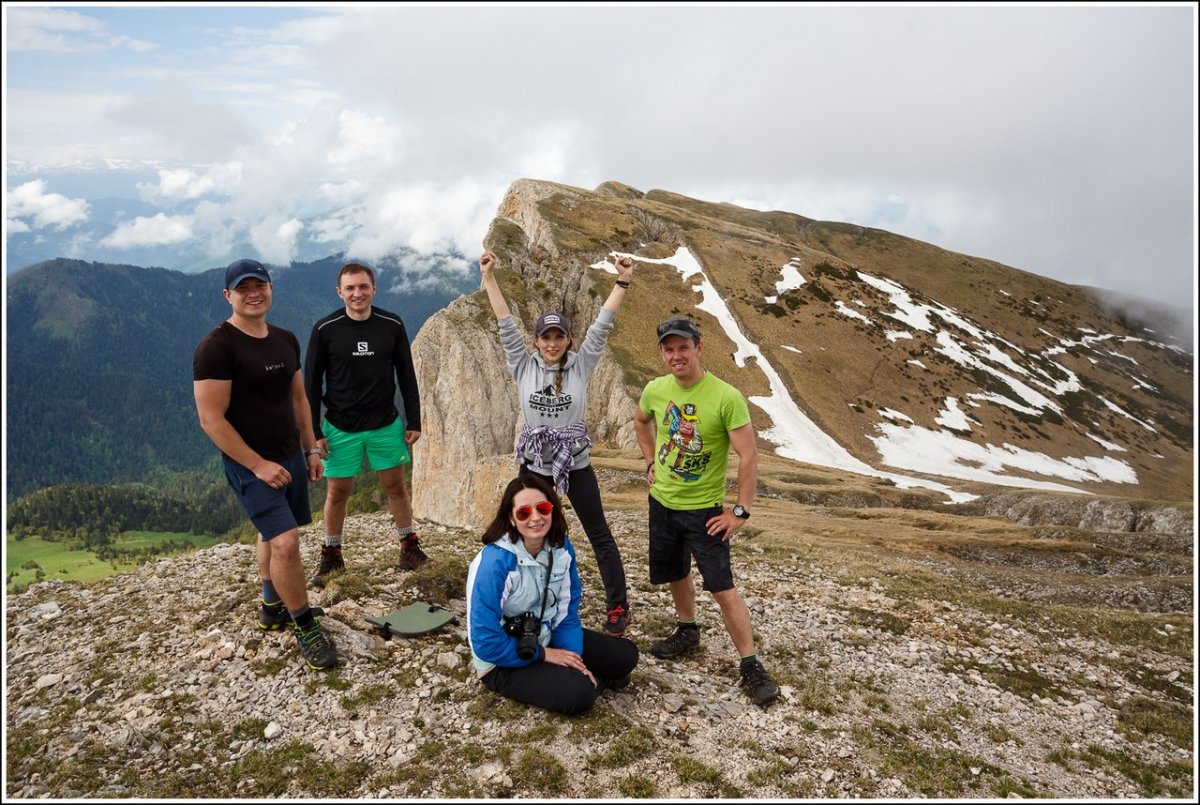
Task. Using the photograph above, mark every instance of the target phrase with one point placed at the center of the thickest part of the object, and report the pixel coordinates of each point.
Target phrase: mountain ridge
(1036, 376)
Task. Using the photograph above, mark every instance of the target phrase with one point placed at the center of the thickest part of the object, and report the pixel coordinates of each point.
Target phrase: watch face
(740, 511)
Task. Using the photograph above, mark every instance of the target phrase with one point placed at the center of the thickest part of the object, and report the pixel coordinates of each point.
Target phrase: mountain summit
(858, 349)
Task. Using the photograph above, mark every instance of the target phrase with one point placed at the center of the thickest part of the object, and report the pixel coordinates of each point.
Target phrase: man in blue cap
(250, 398)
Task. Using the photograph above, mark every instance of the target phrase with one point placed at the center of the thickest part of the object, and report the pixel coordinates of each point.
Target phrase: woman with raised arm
(552, 385)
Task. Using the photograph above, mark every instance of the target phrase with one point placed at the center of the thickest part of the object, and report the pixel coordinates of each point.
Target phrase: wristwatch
(313, 452)
(740, 511)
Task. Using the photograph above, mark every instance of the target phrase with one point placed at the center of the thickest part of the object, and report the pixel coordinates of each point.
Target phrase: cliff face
(470, 417)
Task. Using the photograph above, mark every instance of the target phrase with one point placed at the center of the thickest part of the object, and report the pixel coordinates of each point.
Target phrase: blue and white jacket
(503, 581)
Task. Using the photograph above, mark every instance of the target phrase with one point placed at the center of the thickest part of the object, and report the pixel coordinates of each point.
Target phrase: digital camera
(527, 629)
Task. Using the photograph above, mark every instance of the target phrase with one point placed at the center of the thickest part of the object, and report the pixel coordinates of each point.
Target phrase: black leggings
(565, 690)
(584, 494)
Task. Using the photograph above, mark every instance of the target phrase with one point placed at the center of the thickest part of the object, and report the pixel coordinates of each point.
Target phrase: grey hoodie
(540, 404)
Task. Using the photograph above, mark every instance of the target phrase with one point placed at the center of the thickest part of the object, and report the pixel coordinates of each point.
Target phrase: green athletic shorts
(383, 448)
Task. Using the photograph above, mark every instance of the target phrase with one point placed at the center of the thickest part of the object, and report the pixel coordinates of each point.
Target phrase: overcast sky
(1058, 140)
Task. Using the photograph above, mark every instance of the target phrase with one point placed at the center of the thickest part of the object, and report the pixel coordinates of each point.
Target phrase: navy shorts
(273, 511)
(677, 536)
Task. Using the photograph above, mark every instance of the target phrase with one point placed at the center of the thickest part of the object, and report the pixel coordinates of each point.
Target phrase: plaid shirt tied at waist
(561, 442)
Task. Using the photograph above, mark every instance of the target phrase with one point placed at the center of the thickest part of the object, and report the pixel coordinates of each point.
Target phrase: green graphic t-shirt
(692, 440)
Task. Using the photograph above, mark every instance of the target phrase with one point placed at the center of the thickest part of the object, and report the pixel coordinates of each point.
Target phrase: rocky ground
(905, 674)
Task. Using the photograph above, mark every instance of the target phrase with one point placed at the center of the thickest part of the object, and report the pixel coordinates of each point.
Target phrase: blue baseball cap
(242, 269)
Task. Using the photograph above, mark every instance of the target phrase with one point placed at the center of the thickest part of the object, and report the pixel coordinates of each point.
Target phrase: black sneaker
(617, 621)
(275, 618)
(331, 562)
(318, 652)
(620, 683)
(758, 683)
(680, 641)
(411, 555)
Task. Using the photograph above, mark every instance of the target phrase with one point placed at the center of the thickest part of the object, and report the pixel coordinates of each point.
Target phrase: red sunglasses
(522, 513)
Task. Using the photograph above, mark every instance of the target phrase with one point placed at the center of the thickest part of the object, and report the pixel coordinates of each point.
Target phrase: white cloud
(318, 96)
(30, 200)
(160, 230)
(182, 183)
(365, 138)
(56, 30)
(275, 240)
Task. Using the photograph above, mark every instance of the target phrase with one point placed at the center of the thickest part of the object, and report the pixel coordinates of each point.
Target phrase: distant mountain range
(99, 360)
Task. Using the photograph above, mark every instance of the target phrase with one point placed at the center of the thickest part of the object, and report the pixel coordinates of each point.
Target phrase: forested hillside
(99, 361)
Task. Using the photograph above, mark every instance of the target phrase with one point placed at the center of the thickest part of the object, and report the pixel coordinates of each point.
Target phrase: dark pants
(584, 494)
(565, 690)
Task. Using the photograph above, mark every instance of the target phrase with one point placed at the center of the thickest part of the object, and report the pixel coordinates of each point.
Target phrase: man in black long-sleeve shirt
(355, 358)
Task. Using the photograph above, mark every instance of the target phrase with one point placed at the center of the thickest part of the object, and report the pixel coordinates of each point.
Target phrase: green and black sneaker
(318, 652)
(275, 617)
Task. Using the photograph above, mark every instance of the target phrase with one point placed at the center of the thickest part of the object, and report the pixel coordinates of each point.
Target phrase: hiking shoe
(680, 641)
(620, 683)
(411, 555)
(318, 652)
(617, 620)
(275, 618)
(758, 683)
(331, 562)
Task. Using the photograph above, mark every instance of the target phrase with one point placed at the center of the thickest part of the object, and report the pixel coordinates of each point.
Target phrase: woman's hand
(487, 264)
(569, 659)
(624, 268)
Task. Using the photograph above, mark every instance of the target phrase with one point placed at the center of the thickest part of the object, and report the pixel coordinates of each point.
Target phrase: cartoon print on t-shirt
(682, 434)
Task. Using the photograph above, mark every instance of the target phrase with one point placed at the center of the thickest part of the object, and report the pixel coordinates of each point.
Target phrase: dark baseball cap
(242, 269)
(678, 325)
(547, 321)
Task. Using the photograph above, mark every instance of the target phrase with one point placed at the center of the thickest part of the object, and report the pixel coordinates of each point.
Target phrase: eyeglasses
(522, 513)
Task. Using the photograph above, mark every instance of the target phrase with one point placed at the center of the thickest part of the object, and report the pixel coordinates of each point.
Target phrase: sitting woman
(523, 592)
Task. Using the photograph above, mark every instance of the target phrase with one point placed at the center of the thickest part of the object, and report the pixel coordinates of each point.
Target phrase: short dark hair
(355, 268)
(501, 525)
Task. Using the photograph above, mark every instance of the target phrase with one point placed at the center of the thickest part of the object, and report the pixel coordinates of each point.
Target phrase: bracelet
(649, 466)
(623, 283)
(314, 452)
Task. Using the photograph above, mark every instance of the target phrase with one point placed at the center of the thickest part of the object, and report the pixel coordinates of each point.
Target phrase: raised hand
(487, 264)
(624, 268)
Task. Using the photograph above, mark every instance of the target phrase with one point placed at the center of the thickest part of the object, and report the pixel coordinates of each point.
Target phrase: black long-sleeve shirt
(353, 368)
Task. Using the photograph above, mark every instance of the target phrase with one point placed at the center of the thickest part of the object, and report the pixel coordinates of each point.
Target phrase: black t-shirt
(260, 401)
(353, 367)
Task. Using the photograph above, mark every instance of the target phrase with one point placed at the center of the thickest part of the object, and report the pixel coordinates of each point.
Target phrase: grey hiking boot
(331, 562)
(681, 641)
(411, 555)
(758, 683)
(318, 652)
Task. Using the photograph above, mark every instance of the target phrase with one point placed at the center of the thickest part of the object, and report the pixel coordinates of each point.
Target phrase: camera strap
(546, 589)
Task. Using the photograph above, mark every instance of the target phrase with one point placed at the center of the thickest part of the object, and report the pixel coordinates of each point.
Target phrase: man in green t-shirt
(686, 422)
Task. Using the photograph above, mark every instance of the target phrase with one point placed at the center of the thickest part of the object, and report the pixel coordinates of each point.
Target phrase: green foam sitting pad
(417, 618)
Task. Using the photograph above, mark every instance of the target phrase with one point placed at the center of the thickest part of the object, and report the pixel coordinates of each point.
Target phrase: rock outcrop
(470, 418)
(1103, 515)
